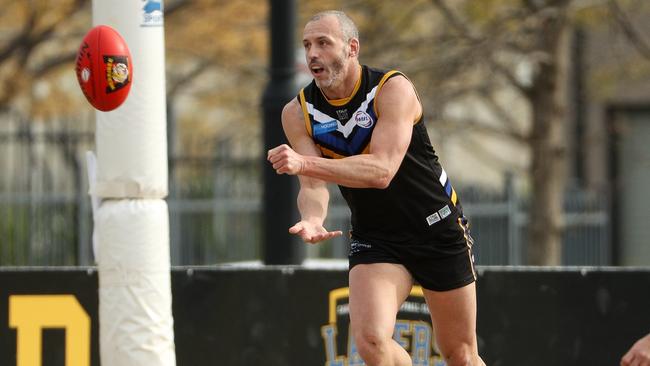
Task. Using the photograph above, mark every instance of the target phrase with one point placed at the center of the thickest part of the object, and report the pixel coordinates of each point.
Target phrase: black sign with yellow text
(290, 316)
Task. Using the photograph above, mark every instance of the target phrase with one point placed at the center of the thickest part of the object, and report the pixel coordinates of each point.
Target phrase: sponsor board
(413, 331)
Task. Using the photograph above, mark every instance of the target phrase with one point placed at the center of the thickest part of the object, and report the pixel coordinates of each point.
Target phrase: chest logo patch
(363, 119)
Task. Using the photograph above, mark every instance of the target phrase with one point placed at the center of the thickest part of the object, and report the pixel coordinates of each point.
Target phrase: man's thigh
(377, 291)
(453, 314)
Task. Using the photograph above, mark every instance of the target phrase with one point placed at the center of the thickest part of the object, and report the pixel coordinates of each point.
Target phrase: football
(104, 68)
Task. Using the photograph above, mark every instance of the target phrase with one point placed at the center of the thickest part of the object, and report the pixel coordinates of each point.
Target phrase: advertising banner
(286, 316)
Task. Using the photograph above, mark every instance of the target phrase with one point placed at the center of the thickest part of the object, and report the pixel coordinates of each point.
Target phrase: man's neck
(346, 87)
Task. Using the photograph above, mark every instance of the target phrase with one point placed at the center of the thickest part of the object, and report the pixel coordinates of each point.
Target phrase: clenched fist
(285, 160)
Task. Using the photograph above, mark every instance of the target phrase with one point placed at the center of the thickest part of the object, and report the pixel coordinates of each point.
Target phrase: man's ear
(354, 47)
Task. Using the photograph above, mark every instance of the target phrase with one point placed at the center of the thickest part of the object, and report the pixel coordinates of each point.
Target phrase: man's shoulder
(379, 76)
(292, 111)
(373, 69)
(309, 86)
(292, 106)
(382, 70)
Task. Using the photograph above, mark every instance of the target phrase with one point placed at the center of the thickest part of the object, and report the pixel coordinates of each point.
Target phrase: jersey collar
(344, 101)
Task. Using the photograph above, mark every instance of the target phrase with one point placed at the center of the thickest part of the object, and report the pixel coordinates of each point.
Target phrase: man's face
(325, 51)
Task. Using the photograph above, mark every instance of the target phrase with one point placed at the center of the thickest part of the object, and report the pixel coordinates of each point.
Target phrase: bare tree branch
(53, 62)
(460, 26)
(508, 75)
(473, 125)
(502, 114)
(630, 32)
(19, 40)
(185, 79)
(174, 6)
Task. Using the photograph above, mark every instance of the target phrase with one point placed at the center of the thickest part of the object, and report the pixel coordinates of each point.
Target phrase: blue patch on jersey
(321, 128)
(448, 187)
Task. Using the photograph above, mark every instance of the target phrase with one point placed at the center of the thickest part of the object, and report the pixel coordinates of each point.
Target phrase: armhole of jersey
(385, 78)
(303, 105)
(329, 153)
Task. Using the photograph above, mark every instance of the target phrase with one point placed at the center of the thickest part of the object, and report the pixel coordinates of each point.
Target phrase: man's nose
(312, 54)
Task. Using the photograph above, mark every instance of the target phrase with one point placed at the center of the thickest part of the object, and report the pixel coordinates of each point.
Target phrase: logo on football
(104, 68)
(117, 72)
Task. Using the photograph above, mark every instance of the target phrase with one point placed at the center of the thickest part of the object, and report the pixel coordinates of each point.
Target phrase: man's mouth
(316, 70)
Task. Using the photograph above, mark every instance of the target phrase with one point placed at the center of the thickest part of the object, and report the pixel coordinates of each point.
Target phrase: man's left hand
(639, 354)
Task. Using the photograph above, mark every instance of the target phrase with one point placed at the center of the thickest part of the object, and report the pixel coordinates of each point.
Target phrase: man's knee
(463, 355)
(372, 346)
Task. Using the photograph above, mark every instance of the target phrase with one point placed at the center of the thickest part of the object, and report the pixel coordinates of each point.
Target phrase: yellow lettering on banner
(29, 314)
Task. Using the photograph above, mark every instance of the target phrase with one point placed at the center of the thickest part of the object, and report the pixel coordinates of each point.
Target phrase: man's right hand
(312, 233)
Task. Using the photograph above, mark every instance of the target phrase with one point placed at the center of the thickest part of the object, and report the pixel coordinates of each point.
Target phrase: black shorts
(441, 264)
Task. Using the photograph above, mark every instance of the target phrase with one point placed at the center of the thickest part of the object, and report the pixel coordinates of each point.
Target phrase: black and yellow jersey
(419, 202)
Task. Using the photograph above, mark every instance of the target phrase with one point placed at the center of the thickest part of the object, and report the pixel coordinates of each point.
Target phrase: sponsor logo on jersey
(321, 128)
(363, 119)
(433, 218)
(444, 212)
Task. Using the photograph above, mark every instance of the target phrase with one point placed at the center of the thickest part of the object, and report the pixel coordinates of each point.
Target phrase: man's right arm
(313, 197)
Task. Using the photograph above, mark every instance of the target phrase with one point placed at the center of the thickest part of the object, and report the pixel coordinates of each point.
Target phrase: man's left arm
(397, 108)
(639, 353)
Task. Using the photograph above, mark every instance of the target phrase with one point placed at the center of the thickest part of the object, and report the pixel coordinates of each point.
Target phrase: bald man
(363, 129)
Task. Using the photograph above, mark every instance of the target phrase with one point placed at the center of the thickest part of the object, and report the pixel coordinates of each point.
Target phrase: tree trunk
(548, 145)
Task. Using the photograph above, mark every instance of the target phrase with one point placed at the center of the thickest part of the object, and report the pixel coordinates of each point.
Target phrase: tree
(532, 34)
(469, 54)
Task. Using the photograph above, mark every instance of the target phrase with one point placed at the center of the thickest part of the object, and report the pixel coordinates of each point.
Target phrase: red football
(104, 68)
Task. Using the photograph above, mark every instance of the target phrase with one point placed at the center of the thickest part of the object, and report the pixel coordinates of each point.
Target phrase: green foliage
(38, 234)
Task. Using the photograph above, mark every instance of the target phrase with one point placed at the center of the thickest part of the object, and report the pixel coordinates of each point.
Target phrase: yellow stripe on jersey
(303, 104)
(468, 242)
(344, 101)
(454, 197)
(419, 118)
(329, 153)
(381, 83)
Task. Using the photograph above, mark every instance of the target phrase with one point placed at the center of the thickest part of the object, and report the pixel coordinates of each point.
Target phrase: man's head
(331, 42)
(346, 25)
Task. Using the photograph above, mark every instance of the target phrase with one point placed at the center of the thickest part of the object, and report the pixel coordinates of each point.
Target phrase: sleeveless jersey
(419, 202)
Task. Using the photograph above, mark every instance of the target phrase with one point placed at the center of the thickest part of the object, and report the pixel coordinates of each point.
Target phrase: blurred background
(538, 109)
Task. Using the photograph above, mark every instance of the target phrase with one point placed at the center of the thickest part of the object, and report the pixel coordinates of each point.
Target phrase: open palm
(312, 233)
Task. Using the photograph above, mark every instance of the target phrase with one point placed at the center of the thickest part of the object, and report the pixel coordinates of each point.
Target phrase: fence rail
(215, 204)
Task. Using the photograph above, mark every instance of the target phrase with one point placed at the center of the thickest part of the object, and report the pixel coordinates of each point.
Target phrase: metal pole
(176, 255)
(514, 226)
(280, 191)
